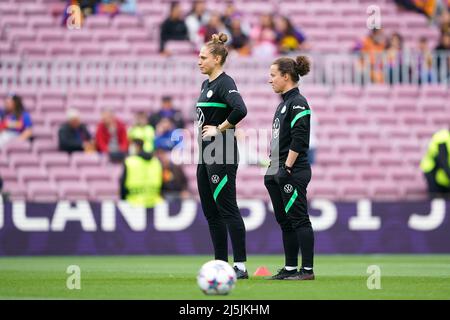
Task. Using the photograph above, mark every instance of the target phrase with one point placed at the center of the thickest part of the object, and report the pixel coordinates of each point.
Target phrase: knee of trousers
(285, 224)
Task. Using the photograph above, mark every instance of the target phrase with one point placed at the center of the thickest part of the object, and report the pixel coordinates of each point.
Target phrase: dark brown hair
(295, 68)
(19, 108)
(217, 46)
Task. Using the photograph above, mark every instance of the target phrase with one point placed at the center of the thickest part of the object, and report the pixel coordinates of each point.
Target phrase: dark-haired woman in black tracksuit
(289, 172)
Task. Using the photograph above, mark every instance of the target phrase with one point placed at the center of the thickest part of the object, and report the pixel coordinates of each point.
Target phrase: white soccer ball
(216, 277)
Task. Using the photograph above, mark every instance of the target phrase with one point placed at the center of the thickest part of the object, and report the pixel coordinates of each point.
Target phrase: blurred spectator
(444, 20)
(143, 131)
(110, 7)
(111, 137)
(167, 111)
(164, 130)
(74, 135)
(442, 53)
(372, 47)
(394, 55)
(264, 38)
(175, 183)
(127, 6)
(87, 7)
(425, 61)
(141, 181)
(15, 122)
(436, 164)
(239, 40)
(198, 18)
(229, 14)
(174, 27)
(289, 38)
(426, 7)
(214, 26)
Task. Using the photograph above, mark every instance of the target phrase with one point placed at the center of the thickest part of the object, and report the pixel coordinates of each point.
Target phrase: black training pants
(288, 195)
(217, 188)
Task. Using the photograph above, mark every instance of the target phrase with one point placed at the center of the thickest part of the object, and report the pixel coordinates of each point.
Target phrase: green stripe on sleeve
(211, 104)
(291, 201)
(220, 187)
(301, 114)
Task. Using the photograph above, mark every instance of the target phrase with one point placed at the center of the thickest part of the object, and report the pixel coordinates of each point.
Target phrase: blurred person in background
(425, 62)
(214, 26)
(173, 27)
(197, 18)
(141, 180)
(228, 15)
(264, 37)
(142, 130)
(167, 111)
(394, 55)
(239, 40)
(163, 135)
(289, 38)
(127, 6)
(436, 164)
(74, 135)
(111, 137)
(15, 121)
(443, 58)
(175, 183)
(372, 48)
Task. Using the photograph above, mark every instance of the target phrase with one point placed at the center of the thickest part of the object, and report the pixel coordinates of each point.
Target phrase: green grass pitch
(174, 277)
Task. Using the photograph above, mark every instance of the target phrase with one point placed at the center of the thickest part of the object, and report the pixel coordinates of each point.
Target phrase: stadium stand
(370, 138)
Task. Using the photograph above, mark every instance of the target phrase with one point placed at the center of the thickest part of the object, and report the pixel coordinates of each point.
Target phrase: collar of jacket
(290, 93)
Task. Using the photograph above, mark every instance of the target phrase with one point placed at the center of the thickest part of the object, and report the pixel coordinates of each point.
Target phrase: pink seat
(59, 174)
(352, 191)
(386, 191)
(104, 191)
(18, 160)
(55, 159)
(43, 132)
(16, 191)
(179, 47)
(27, 175)
(80, 159)
(42, 192)
(96, 174)
(71, 192)
(17, 147)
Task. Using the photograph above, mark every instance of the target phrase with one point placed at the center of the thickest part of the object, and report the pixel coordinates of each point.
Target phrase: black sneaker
(240, 274)
(302, 275)
(283, 274)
